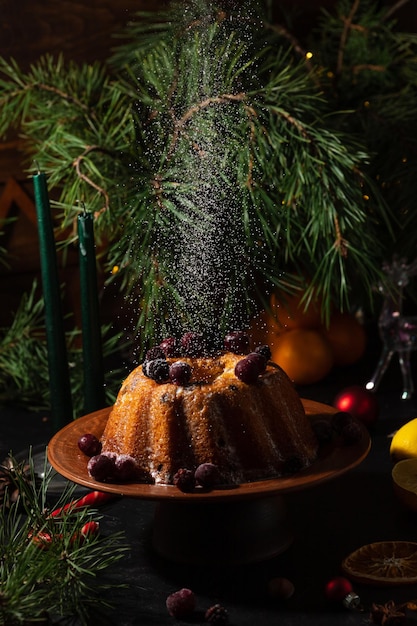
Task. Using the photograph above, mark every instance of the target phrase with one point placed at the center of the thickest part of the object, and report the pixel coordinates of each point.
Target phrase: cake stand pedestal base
(228, 532)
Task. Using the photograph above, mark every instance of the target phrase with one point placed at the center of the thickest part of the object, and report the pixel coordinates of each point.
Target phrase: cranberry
(323, 430)
(193, 344)
(237, 341)
(257, 359)
(180, 373)
(102, 467)
(170, 347)
(157, 370)
(181, 604)
(89, 444)
(184, 479)
(126, 468)
(248, 369)
(207, 475)
(265, 351)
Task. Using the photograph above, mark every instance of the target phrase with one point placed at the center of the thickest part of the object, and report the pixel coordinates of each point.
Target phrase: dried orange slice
(383, 563)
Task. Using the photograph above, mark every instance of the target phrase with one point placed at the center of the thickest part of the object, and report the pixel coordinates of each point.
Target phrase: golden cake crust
(250, 432)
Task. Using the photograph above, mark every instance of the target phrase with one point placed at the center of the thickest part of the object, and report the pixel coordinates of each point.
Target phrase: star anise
(388, 614)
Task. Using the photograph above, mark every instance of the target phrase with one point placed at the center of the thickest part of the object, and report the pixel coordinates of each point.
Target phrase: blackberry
(216, 614)
(157, 370)
(155, 353)
(180, 373)
(193, 344)
(89, 444)
(237, 341)
(207, 475)
(181, 604)
(265, 351)
(184, 479)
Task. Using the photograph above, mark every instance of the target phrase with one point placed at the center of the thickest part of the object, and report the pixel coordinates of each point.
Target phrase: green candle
(91, 328)
(59, 382)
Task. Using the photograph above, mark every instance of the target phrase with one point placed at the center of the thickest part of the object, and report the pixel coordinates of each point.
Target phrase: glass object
(398, 332)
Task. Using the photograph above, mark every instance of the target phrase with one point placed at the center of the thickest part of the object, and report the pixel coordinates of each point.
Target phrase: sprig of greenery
(369, 68)
(206, 126)
(59, 576)
(24, 376)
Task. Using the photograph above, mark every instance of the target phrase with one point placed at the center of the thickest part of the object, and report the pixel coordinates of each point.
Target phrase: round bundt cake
(210, 409)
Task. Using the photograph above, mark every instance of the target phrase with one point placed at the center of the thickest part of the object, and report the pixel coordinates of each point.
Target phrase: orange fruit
(404, 480)
(304, 354)
(347, 338)
(383, 563)
(288, 311)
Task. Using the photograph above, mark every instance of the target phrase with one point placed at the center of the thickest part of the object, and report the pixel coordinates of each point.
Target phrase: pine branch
(46, 568)
(206, 127)
(345, 33)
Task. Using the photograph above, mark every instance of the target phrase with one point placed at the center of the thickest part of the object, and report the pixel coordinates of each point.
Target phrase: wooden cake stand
(237, 524)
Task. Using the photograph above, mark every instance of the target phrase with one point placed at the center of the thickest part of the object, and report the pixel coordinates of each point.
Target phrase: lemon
(404, 476)
(404, 442)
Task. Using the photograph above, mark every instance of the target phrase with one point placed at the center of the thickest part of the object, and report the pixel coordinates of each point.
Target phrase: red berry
(180, 373)
(89, 444)
(237, 341)
(248, 369)
(170, 347)
(181, 604)
(207, 475)
(193, 344)
(258, 360)
(102, 468)
(126, 468)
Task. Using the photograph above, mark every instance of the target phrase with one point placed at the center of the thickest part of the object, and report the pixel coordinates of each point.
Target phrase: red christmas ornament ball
(359, 402)
(337, 589)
